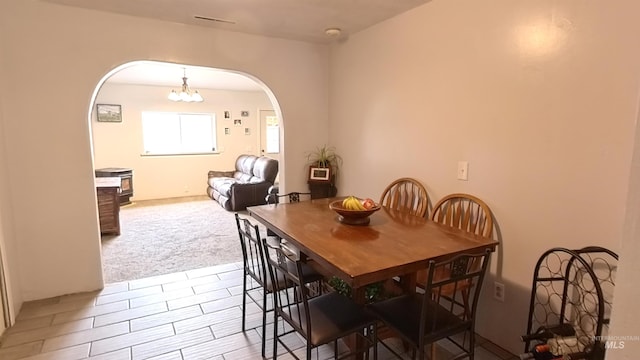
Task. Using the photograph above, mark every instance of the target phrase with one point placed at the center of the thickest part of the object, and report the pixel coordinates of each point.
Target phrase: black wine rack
(574, 287)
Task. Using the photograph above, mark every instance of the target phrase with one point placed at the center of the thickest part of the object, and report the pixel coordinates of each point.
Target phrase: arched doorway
(233, 100)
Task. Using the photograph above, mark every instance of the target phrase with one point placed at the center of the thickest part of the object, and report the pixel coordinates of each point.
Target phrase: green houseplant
(325, 157)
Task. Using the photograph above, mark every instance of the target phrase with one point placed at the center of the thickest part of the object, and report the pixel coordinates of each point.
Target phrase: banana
(352, 203)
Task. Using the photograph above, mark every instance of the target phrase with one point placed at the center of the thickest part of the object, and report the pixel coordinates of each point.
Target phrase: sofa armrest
(249, 194)
(214, 173)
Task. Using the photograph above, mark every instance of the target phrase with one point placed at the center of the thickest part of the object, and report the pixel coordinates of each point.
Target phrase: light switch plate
(463, 170)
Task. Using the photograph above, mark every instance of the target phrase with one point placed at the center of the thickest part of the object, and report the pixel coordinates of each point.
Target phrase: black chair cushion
(333, 316)
(402, 314)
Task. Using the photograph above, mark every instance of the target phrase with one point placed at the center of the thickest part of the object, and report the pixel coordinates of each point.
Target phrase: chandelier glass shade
(185, 94)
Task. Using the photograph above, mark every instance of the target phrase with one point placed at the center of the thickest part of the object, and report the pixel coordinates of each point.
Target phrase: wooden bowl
(352, 217)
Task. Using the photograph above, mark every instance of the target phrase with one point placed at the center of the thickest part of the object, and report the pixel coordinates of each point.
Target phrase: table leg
(353, 341)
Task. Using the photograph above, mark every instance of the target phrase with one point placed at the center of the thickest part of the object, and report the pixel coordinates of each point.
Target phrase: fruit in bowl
(354, 211)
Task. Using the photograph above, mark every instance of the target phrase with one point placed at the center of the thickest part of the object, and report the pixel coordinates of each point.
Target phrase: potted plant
(324, 157)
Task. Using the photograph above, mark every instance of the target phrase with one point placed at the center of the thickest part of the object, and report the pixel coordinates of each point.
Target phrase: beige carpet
(161, 237)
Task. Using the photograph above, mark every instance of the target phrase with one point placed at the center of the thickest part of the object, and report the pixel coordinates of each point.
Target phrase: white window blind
(178, 133)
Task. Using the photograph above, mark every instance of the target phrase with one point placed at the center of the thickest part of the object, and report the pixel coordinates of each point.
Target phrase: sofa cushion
(266, 169)
(222, 185)
(247, 185)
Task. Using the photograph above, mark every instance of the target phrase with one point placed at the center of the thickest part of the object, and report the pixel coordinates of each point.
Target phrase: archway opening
(234, 101)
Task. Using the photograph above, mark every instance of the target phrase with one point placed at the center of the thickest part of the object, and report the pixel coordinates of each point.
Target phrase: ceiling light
(332, 32)
(185, 93)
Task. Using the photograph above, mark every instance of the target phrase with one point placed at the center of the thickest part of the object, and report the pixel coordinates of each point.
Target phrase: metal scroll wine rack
(574, 287)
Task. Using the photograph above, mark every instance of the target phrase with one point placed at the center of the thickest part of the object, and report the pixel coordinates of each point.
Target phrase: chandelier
(185, 94)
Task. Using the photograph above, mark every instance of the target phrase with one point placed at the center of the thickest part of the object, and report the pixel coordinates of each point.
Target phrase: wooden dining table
(394, 243)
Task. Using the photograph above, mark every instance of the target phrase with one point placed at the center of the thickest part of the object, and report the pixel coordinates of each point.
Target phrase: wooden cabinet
(126, 181)
(108, 193)
(321, 189)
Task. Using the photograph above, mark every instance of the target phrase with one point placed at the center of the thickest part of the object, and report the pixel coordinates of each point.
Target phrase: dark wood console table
(126, 186)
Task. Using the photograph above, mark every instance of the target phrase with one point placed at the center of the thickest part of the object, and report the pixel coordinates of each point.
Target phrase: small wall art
(244, 113)
(227, 131)
(237, 122)
(247, 131)
(227, 114)
(109, 112)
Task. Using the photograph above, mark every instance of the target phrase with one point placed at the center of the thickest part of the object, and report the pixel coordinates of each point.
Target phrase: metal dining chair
(320, 320)
(420, 319)
(256, 282)
(468, 213)
(406, 194)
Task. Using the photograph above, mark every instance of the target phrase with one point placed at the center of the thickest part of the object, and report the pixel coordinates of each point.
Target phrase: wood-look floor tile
(174, 355)
(236, 290)
(77, 352)
(198, 299)
(88, 296)
(55, 308)
(165, 296)
(21, 351)
(215, 347)
(217, 269)
(128, 314)
(115, 288)
(39, 303)
(157, 280)
(122, 354)
(207, 320)
(130, 339)
(90, 312)
(221, 304)
(166, 317)
(231, 327)
(46, 332)
(30, 324)
(131, 294)
(202, 325)
(217, 285)
(190, 283)
(231, 274)
(85, 336)
(172, 343)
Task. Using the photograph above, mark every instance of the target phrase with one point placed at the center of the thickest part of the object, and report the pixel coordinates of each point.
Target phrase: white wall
(158, 177)
(624, 322)
(539, 97)
(8, 252)
(59, 57)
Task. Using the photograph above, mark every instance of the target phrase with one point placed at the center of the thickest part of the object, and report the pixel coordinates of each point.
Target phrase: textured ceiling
(303, 20)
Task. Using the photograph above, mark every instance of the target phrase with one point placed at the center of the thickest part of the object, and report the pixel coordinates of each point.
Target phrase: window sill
(182, 154)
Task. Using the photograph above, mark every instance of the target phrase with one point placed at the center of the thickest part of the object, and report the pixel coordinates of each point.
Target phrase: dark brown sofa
(247, 185)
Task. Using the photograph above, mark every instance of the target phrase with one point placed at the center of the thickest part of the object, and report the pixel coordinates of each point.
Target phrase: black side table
(322, 189)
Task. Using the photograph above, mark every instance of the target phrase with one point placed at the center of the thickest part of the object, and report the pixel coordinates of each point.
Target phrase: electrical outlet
(498, 291)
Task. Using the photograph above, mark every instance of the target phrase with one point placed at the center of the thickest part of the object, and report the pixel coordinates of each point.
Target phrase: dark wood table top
(393, 243)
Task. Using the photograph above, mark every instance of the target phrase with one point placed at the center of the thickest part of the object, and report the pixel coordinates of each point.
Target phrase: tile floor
(183, 316)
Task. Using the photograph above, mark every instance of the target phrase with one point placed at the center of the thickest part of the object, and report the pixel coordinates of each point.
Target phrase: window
(273, 134)
(175, 133)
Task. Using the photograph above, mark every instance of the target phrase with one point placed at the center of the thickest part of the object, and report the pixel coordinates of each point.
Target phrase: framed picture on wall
(319, 174)
(109, 112)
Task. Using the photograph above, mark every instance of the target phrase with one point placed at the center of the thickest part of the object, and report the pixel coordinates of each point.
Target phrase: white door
(270, 135)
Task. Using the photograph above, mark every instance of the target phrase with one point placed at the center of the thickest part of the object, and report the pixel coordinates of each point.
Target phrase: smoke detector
(332, 32)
